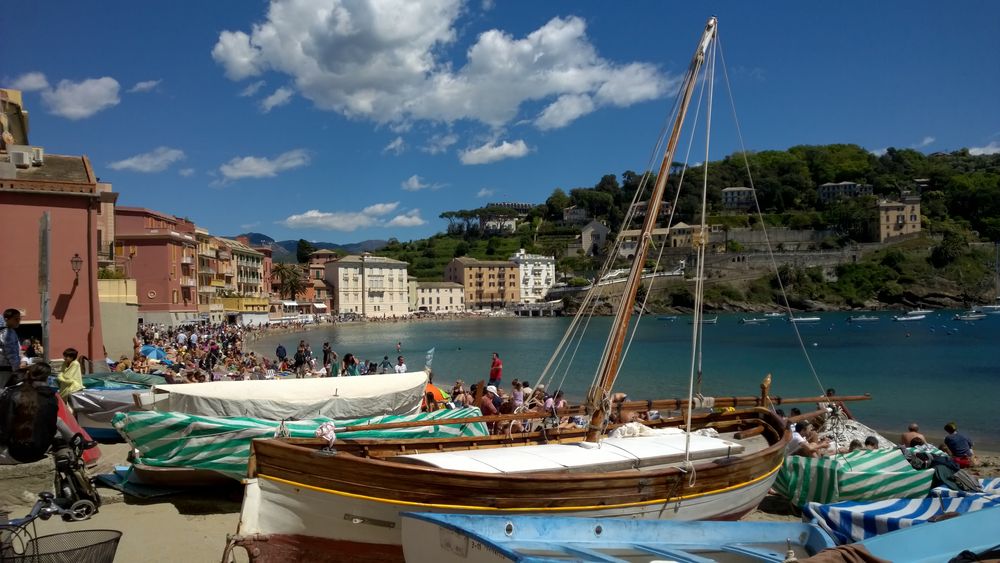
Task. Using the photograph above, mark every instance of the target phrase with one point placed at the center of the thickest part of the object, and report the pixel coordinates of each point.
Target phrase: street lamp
(76, 263)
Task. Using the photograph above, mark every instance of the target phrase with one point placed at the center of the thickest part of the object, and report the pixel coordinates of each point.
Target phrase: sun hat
(491, 389)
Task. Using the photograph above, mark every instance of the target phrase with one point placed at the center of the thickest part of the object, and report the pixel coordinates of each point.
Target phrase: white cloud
(438, 144)
(252, 88)
(485, 192)
(280, 97)
(414, 184)
(411, 218)
(30, 82)
(79, 100)
(383, 61)
(144, 86)
(992, 148)
(492, 152)
(564, 111)
(186, 172)
(924, 142)
(396, 147)
(157, 160)
(261, 167)
(347, 221)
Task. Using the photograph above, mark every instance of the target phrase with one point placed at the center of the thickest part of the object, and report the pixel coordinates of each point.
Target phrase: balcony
(207, 271)
(187, 259)
(188, 282)
(225, 255)
(206, 251)
(206, 289)
(217, 283)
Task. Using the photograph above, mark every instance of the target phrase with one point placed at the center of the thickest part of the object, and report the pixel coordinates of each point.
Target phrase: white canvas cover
(330, 397)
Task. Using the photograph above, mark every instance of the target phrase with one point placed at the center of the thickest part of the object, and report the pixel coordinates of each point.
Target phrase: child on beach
(70, 378)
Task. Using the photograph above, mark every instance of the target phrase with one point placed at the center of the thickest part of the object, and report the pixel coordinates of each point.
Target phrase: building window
(174, 296)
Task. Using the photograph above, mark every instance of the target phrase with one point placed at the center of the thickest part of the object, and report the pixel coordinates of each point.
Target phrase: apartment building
(537, 275)
(369, 286)
(489, 284)
(436, 297)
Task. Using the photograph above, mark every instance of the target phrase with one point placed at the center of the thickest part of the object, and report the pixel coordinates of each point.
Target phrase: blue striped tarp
(855, 521)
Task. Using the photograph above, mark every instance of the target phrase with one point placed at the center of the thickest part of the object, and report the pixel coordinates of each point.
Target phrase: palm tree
(291, 282)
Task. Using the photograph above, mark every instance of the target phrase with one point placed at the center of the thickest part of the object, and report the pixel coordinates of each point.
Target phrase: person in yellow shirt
(70, 377)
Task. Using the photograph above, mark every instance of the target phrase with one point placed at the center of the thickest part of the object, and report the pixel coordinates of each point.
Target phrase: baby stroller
(75, 491)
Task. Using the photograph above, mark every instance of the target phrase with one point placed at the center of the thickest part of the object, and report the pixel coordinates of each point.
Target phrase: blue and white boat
(470, 538)
(931, 542)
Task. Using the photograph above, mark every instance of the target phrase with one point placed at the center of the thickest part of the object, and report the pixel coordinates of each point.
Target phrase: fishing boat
(753, 320)
(907, 318)
(468, 538)
(862, 319)
(798, 320)
(919, 312)
(970, 316)
(309, 499)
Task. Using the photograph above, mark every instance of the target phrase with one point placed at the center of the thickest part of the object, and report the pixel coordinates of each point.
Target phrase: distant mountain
(284, 251)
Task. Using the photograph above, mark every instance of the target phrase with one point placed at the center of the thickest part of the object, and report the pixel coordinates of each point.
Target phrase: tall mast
(611, 359)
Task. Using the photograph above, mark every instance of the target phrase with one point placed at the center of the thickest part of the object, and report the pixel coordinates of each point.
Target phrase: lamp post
(77, 264)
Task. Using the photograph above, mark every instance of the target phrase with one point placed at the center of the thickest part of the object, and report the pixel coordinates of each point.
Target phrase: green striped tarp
(170, 439)
(858, 475)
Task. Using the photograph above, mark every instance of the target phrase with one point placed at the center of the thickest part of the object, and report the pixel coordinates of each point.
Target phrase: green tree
(461, 249)
(291, 281)
(303, 249)
(555, 204)
(953, 245)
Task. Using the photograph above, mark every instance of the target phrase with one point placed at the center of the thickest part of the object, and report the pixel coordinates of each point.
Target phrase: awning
(289, 303)
(319, 305)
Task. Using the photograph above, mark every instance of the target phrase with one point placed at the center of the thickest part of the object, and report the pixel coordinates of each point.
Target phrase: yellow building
(489, 284)
(898, 218)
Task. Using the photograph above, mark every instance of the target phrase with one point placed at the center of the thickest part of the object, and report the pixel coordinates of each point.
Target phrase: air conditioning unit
(37, 155)
(21, 159)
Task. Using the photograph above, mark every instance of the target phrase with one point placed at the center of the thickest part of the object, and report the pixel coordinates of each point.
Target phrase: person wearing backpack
(300, 362)
(29, 414)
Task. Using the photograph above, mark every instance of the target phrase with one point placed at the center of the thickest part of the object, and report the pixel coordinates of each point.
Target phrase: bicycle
(19, 541)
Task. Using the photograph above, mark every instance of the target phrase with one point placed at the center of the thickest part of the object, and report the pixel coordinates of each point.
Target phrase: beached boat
(753, 320)
(303, 504)
(466, 538)
(863, 319)
(970, 316)
(975, 532)
(907, 318)
(804, 319)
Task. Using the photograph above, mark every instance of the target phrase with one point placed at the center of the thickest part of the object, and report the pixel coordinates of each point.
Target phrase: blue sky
(345, 120)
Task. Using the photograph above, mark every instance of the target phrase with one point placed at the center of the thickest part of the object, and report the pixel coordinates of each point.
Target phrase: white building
(537, 274)
(370, 286)
(437, 297)
(737, 198)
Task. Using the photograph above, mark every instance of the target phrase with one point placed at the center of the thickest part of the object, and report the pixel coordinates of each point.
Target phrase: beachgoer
(327, 355)
(300, 362)
(496, 370)
(517, 394)
(912, 437)
(486, 403)
(385, 366)
(800, 444)
(871, 443)
(959, 446)
(29, 417)
(70, 378)
(10, 347)
(351, 366)
(400, 365)
(399, 347)
(281, 353)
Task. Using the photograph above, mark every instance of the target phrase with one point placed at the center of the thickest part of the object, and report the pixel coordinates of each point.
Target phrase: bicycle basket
(84, 546)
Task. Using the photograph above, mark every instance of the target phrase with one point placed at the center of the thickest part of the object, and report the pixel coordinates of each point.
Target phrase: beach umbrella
(153, 352)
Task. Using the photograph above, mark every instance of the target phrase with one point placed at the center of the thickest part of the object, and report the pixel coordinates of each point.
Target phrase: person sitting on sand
(958, 446)
(912, 437)
(871, 443)
(799, 445)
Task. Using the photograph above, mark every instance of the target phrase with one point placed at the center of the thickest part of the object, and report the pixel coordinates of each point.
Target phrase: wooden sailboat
(303, 502)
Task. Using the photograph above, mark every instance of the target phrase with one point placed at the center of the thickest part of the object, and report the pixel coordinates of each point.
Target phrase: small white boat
(908, 317)
(989, 309)
(862, 319)
(774, 315)
(706, 320)
(919, 313)
(804, 320)
(753, 321)
(970, 316)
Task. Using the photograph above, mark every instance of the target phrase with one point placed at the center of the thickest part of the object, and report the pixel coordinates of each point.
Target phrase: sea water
(931, 371)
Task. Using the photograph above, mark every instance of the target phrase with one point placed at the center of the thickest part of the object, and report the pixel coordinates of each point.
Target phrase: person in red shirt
(496, 370)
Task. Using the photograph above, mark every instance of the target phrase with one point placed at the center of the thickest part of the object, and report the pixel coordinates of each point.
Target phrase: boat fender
(589, 445)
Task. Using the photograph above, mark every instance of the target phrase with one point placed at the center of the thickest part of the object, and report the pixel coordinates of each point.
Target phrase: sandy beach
(193, 527)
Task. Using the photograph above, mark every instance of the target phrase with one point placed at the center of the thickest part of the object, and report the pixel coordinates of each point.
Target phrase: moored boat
(774, 314)
(919, 312)
(863, 319)
(970, 316)
(473, 538)
(753, 320)
(908, 318)
(804, 319)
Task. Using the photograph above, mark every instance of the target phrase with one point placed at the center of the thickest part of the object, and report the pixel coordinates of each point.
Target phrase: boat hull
(303, 505)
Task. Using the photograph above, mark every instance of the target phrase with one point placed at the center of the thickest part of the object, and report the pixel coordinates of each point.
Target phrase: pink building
(160, 252)
(31, 183)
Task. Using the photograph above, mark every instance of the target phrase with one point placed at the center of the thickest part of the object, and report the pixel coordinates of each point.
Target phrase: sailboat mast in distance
(611, 358)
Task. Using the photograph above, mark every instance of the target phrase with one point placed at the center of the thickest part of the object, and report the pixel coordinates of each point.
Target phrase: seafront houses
(898, 218)
(831, 191)
(32, 183)
(436, 297)
(160, 252)
(249, 304)
(211, 277)
(369, 286)
(537, 275)
(593, 236)
(489, 284)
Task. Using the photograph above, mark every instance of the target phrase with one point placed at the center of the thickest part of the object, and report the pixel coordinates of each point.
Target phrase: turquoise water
(931, 371)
